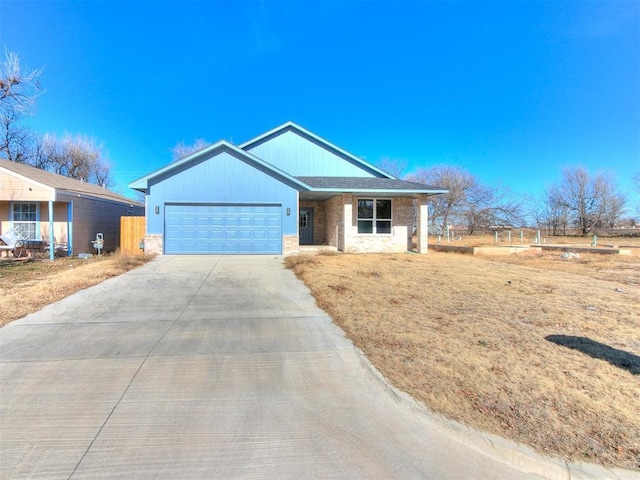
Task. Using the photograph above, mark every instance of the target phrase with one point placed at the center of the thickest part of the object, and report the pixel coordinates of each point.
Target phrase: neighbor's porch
(42, 222)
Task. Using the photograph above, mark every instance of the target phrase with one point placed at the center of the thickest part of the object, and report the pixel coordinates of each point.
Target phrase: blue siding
(223, 229)
(301, 156)
(222, 178)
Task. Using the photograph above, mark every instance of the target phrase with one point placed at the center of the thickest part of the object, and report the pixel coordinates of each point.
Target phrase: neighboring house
(52, 208)
(284, 188)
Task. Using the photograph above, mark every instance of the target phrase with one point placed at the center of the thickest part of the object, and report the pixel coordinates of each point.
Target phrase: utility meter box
(98, 243)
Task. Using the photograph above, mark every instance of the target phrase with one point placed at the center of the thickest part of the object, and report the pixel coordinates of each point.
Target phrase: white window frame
(15, 223)
(375, 218)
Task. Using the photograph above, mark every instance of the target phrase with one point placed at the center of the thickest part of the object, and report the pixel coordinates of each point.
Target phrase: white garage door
(222, 229)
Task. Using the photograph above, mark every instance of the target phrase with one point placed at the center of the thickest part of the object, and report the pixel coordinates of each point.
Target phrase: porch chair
(13, 240)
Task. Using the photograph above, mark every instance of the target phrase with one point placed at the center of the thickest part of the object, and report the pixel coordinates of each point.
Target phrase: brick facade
(153, 244)
(319, 219)
(290, 245)
(341, 226)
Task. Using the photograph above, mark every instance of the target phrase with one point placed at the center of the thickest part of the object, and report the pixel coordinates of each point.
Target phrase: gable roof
(142, 184)
(61, 183)
(291, 126)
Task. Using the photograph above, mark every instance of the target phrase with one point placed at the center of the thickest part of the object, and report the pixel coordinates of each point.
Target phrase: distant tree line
(578, 203)
(76, 156)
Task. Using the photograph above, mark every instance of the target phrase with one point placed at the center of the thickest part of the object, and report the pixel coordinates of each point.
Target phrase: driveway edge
(509, 452)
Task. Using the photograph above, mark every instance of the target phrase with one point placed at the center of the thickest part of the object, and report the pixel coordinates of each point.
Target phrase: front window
(374, 215)
(25, 219)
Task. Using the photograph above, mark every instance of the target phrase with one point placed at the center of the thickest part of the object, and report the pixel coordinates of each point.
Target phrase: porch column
(423, 223)
(347, 219)
(51, 238)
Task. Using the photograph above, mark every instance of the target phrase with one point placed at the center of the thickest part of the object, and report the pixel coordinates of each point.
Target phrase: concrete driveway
(213, 367)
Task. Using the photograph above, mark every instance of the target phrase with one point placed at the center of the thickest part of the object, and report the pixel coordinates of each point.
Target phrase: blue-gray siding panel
(220, 179)
(223, 229)
(302, 157)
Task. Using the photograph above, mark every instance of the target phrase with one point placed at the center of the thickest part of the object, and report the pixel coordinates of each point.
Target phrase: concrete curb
(511, 453)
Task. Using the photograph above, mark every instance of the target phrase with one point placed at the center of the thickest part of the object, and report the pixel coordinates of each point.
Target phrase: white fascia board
(379, 190)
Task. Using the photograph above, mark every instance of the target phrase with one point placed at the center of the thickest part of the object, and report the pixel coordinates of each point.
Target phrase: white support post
(51, 237)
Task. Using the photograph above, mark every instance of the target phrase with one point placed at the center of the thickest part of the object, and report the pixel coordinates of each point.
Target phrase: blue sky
(510, 90)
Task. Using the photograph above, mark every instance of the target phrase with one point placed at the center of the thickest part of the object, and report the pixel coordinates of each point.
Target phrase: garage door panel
(219, 229)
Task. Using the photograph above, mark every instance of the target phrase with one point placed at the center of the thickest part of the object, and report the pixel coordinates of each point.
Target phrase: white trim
(374, 219)
(13, 221)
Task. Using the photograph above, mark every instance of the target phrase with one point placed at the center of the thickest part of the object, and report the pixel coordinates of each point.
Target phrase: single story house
(59, 210)
(282, 189)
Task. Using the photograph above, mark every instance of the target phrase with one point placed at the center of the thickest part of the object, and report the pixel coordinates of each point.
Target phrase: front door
(305, 226)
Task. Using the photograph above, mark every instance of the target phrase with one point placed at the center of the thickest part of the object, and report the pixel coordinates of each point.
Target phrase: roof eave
(392, 191)
(108, 198)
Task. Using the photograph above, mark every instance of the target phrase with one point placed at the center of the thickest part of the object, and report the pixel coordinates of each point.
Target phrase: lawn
(534, 348)
(28, 285)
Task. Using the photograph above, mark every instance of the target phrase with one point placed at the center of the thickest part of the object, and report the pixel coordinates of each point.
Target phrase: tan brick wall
(153, 244)
(398, 241)
(319, 220)
(333, 222)
(290, 245)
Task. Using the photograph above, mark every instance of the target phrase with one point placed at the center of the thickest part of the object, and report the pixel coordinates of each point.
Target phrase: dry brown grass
(28, 285)
(537, 349)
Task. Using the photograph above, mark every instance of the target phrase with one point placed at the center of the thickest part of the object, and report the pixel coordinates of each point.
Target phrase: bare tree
(552, 216)
(468, 203)
(392, 166)
(491, 208)
(78, 157)
(181, 149)
(447, 208)
(591, 201)
(19, 89)
(635, 178)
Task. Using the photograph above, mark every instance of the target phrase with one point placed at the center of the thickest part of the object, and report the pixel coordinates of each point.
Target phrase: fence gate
(132, 231)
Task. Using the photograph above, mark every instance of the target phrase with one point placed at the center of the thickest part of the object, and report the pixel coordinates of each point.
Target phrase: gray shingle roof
(60, 182)
(353, 184)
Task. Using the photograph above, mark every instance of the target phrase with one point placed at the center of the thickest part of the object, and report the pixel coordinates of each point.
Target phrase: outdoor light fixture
(157, 209)
(288, 211)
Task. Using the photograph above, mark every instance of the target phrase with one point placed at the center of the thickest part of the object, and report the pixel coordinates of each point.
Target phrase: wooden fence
(132, 231)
